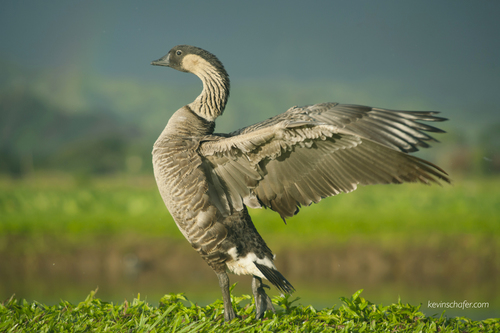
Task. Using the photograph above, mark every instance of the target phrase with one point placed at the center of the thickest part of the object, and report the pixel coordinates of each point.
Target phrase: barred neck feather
(211, 102)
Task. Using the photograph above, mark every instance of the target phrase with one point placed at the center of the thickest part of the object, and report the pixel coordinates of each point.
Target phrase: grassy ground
(173, 315)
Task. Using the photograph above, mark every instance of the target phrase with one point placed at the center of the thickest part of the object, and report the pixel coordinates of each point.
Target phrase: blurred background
(80, 107)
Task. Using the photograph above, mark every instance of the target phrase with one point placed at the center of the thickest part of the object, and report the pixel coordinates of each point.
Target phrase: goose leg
(262, 300)
(229, 313)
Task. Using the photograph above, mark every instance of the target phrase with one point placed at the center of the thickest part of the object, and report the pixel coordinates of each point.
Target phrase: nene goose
(207, 180)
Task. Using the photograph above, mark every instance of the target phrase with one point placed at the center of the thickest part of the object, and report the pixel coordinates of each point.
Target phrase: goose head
(191, 59)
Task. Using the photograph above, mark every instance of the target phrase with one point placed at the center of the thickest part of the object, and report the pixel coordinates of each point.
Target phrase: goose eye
(179, 52)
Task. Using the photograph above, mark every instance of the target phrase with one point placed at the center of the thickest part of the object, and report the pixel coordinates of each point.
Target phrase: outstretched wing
(313, 152)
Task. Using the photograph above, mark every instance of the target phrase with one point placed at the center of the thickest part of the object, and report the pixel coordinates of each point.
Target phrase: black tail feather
(276, 279)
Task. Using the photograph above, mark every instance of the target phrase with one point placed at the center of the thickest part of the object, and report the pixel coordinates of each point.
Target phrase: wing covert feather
(317, 151)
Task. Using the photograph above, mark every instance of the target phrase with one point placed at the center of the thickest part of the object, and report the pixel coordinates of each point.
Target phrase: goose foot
(229, 313)
(262, 300)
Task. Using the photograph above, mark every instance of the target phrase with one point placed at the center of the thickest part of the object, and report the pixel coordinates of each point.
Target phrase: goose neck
(211, 102)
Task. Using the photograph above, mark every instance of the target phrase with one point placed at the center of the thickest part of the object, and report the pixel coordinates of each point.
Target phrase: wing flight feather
(309, 153)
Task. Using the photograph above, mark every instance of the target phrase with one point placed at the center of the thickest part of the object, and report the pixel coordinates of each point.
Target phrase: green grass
(176, 314)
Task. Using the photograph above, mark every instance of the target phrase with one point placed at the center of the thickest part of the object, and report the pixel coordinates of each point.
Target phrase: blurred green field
(58, 205)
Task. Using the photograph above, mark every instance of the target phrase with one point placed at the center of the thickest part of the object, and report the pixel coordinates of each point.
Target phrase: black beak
(163, 61)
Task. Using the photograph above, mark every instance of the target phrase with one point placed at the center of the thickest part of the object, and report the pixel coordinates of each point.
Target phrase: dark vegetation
(85, 125)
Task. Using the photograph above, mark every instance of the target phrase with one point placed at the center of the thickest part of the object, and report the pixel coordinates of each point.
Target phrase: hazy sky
(445, 51)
